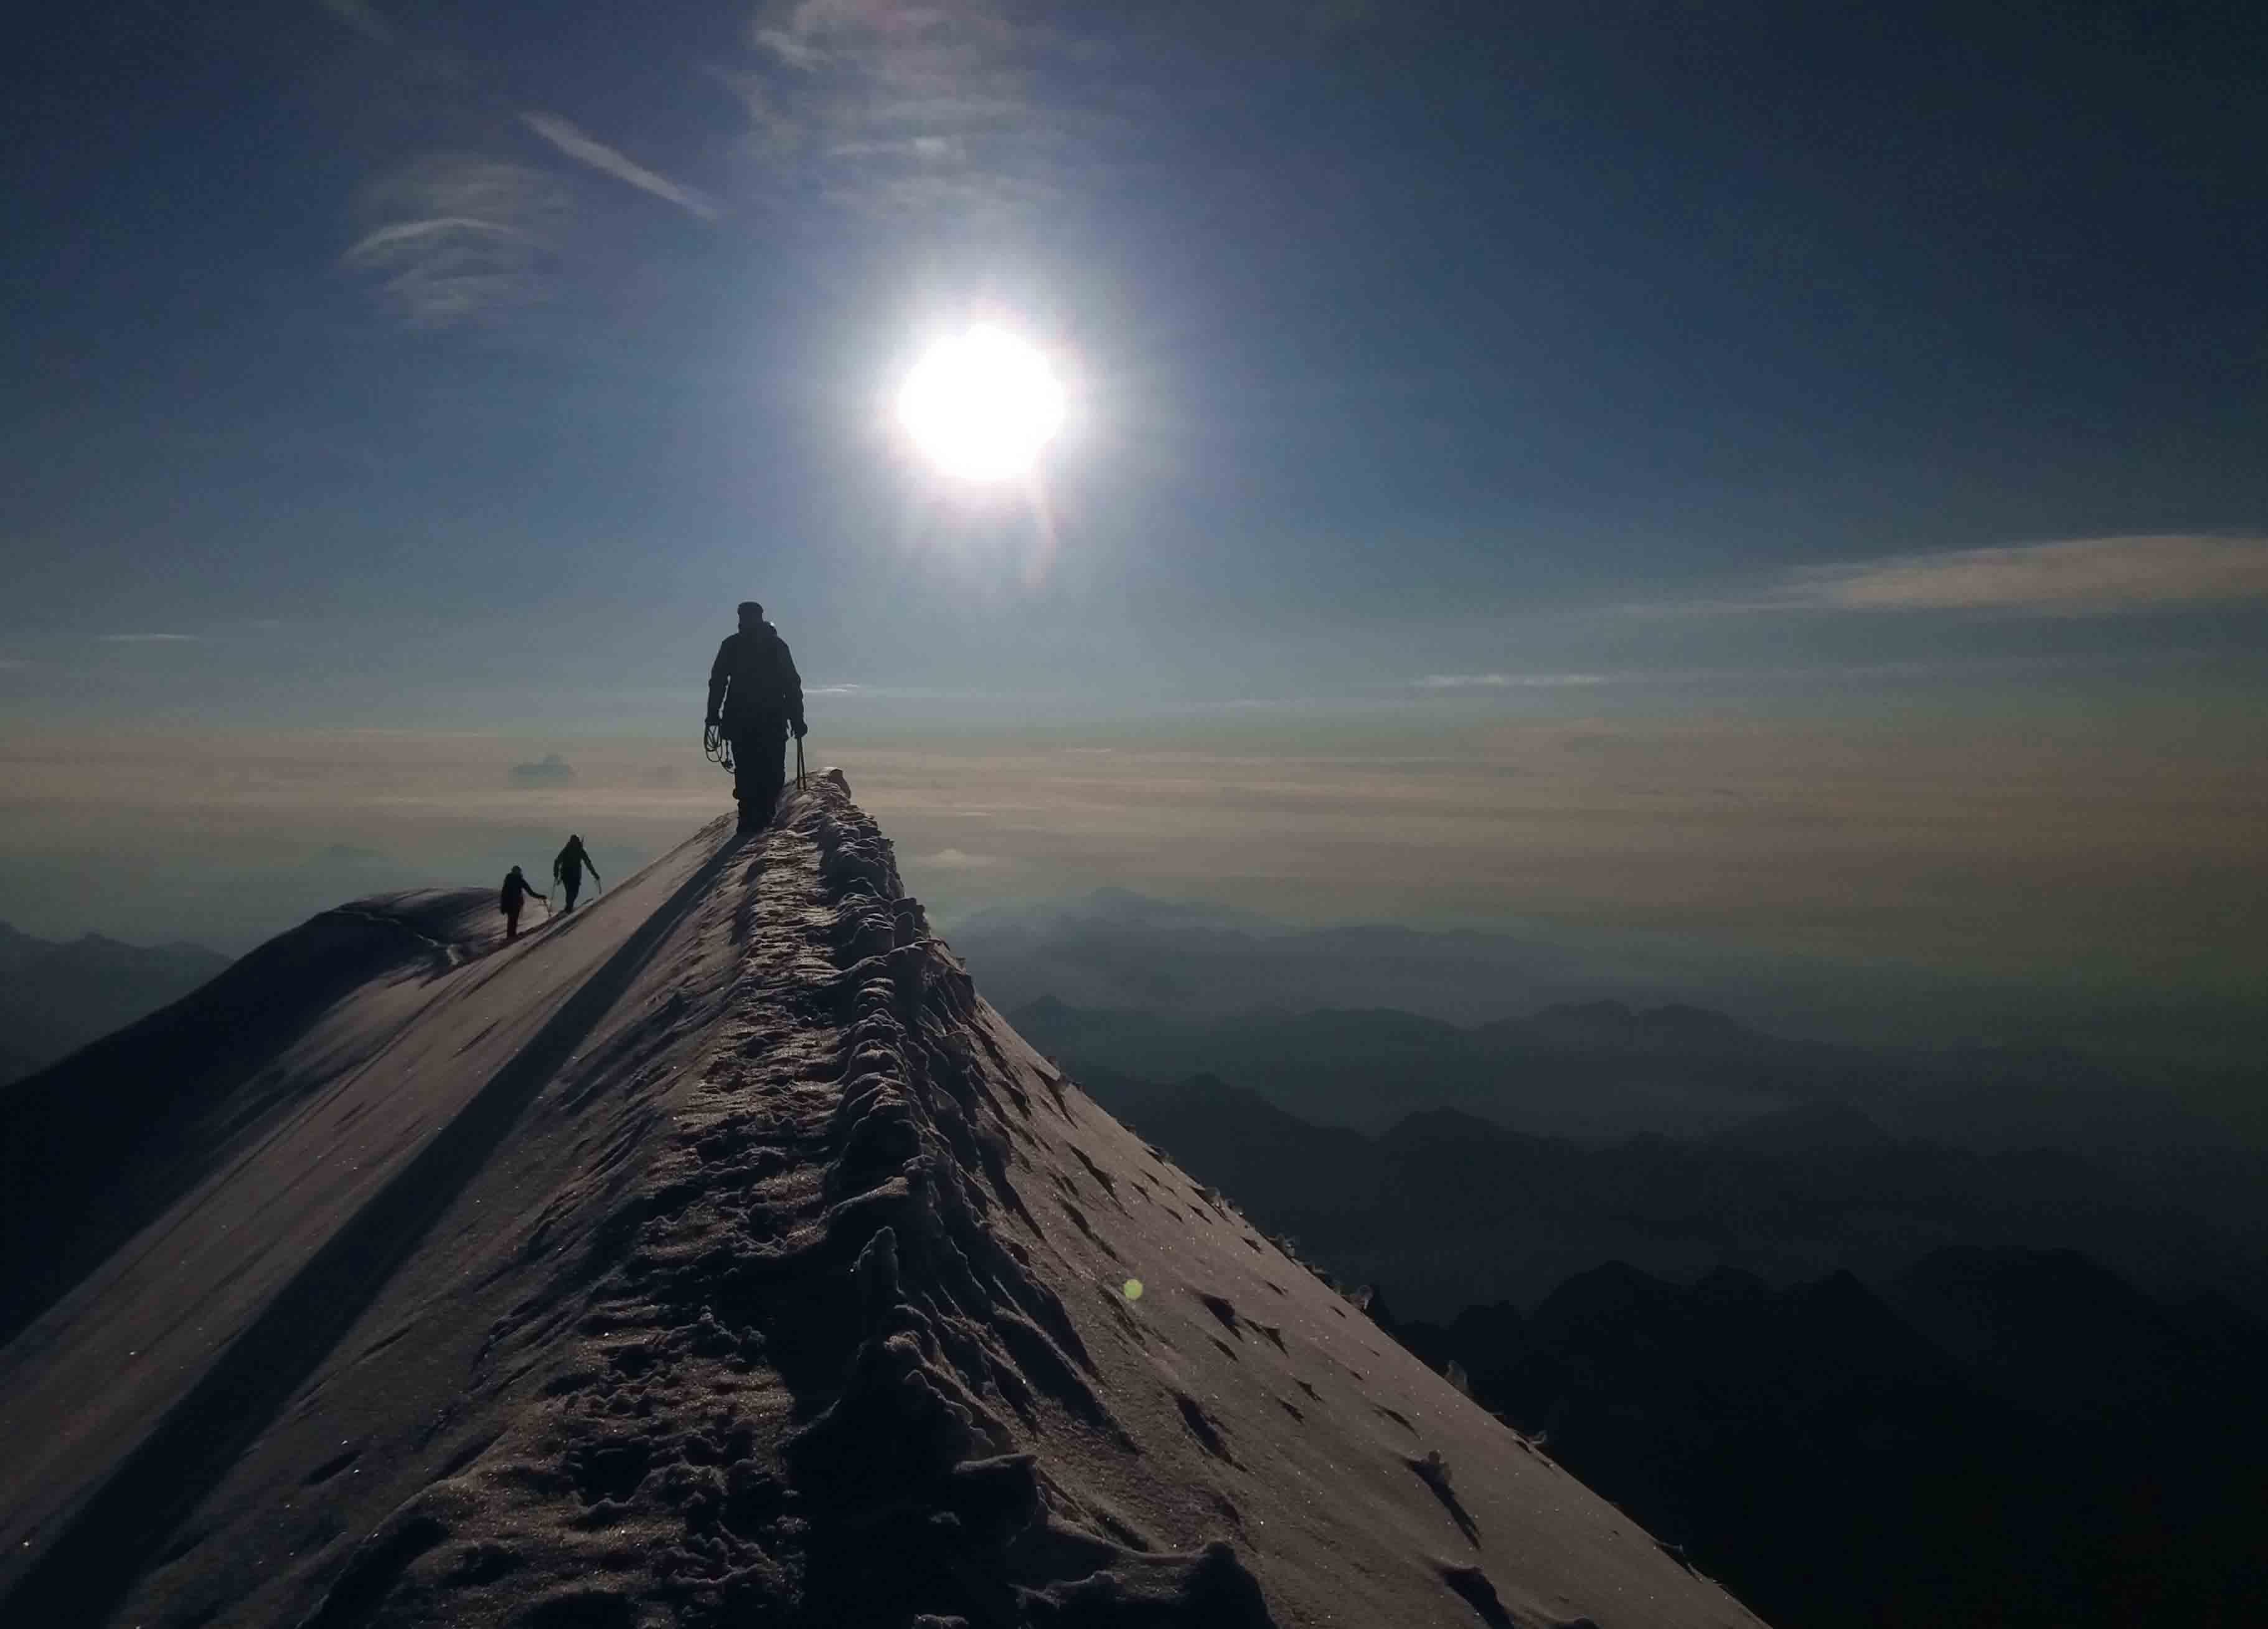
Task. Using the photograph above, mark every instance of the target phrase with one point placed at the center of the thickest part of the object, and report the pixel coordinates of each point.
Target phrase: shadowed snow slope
(715, 1255)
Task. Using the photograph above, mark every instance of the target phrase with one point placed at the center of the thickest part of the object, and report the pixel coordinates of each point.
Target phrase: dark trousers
(512, 921)
(573, 883)
(759, 763)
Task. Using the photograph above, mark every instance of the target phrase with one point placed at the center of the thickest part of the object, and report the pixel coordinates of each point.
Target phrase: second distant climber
(756, 698)
(513, 897)
(568, 868)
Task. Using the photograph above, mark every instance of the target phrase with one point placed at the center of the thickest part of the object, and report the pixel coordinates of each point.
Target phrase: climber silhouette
(755, 698)
(512, 896)
(567, 869)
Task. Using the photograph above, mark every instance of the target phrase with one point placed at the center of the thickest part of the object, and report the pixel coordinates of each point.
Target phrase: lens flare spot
(1133, 1289)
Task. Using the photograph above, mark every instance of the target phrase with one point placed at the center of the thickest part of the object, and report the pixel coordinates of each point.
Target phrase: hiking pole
(801, 784)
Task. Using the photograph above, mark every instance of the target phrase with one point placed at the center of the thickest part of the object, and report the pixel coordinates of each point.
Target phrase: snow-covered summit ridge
(720, 1255)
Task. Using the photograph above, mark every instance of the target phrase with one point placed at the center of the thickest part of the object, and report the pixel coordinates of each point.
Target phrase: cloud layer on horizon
(2068, 577)
(2088, 576)
(1510, 680)
(1966, 843)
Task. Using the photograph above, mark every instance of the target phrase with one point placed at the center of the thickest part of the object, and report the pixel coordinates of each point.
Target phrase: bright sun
(981, 406)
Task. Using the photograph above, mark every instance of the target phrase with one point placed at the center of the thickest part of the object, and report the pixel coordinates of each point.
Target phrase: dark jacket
(753, 677)
(570, 863)
(514, 893)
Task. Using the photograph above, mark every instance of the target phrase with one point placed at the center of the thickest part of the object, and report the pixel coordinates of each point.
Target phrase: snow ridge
(719, 1256)
(794, 1377)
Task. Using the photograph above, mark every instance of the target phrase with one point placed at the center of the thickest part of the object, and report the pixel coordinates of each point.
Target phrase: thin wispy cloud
(894, 692)
(452, 239)
(811, 35)
(957, 860)
(2071, 577)
(148, 639)
(563, 135)
(957, 108)
(2090, 575)
(883, 106)
(747, 87)
(1510, 681)
(797, 50)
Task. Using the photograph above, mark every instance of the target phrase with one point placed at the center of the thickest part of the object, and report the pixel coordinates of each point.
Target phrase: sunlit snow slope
(715, 1255)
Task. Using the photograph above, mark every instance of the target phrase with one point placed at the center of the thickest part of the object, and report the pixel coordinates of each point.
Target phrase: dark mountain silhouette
(1367, 1068)
(1820, 1450)
(1604, 1070)
(1277, 1163)
(1448, 1207)
(1806, 1128)
(1112, 950)
(1115, 949)
(55, 996)
(1690, 1034)
(2047, 1328)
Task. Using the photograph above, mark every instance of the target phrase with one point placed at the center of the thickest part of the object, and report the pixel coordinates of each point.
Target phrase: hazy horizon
(1783, 871)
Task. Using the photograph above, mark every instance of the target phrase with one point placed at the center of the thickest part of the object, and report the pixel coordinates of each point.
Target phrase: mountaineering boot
(750, 821)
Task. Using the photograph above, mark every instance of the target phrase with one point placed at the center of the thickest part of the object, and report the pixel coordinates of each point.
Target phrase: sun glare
(981, 405)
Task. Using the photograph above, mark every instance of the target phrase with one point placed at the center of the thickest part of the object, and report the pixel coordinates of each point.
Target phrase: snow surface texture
(718, 1255)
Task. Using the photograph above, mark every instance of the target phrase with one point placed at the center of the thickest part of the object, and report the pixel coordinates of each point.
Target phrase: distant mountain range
(1604, 1069)
(1997, 1436)
(1858, 1371)
(1447, 1208)
(57, 996)
(1111, 949)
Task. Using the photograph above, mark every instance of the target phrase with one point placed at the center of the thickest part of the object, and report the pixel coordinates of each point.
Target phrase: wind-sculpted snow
(803, 1360)
(770, 1278)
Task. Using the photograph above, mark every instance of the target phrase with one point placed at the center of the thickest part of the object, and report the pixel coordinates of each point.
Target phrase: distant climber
(756, 698)
(512, 896)
(567, 869)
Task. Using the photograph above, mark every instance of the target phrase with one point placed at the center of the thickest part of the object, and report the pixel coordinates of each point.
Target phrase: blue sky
(1433, 368)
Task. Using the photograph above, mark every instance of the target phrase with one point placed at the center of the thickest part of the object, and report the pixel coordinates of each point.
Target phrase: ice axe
(801, 784)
